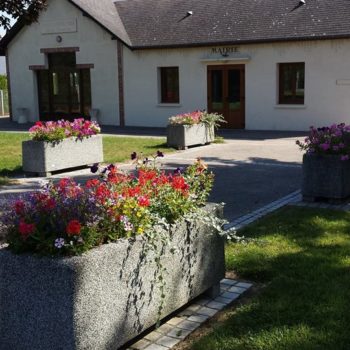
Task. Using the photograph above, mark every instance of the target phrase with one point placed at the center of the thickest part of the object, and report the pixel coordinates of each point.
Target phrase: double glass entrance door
(64, 90)
(226, 94)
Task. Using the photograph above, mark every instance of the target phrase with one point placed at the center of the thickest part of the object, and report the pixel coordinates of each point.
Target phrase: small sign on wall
(59, 27)
(343, 82)
(225, 51)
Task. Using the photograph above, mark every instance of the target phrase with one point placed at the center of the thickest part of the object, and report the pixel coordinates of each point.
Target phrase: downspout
(8, 84)
(121, 83)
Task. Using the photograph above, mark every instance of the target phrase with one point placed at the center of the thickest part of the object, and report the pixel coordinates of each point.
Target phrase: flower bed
(326, 165)
(190, 129)
(61, 145)
(57, 131)
(154, 251)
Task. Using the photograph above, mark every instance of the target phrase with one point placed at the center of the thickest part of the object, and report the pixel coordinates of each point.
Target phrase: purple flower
(160, 154)
(94, 168)
(59, 243)
(133, 155)
(335, 148)
(325, 146)
(178, 171)
(346, 157)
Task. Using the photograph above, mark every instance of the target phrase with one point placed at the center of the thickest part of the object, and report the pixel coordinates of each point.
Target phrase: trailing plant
(57, 131)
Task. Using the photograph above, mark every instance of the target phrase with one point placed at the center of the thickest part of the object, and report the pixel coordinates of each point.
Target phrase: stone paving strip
(185, 322)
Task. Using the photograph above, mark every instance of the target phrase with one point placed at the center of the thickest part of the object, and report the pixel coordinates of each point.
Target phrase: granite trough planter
(325, 177)
(43, 158)
(106, 297)
(183, 136)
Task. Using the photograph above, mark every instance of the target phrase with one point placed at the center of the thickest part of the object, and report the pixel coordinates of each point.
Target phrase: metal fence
(4, 102)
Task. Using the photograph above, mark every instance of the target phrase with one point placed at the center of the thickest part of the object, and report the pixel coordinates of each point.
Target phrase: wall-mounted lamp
(59, 38)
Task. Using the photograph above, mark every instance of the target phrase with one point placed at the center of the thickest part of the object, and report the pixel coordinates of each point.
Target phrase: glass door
(64, 90)
(226, 94)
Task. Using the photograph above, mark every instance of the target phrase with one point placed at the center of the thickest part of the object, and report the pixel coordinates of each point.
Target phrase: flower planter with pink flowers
(326, 164)
(192, 129)
(62, 145)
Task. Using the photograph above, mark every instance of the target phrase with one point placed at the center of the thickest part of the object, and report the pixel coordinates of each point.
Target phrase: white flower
(59, 243)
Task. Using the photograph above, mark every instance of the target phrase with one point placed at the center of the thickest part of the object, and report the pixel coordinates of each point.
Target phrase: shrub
(334, 139)
(68, 219)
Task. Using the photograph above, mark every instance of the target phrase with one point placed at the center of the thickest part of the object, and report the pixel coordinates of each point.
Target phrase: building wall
(327, 98)
(95, 46)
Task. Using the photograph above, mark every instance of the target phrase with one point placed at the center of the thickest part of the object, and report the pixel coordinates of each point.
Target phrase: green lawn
(116, 149)
(301, 260)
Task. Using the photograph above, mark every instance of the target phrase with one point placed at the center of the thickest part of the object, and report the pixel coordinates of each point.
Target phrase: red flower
(19, 207)
(73, 228)
(39, 124)
(26, 229)
(144, 201)
(92, 183)
(179, 183)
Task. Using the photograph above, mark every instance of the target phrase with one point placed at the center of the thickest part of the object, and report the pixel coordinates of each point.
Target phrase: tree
(3, 82)
(27, 9)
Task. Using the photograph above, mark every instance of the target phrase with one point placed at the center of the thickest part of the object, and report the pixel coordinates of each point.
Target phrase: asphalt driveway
(251, 171)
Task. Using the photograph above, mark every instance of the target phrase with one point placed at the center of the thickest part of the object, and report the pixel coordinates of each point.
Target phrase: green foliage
(27, 9)
(3, 82)
(301, 258)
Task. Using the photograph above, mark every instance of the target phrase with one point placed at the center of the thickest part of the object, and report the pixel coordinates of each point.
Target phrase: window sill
(169, 105)
(290, 106)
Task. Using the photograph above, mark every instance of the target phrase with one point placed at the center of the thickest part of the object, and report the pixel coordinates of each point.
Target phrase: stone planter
(183, 136)
(325, 176)
(42, 158)
(106, 297)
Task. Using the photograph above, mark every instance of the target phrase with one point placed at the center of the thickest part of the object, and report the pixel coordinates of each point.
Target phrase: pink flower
(345, 157)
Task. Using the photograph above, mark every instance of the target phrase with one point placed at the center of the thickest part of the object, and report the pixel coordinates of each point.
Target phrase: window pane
(75, 92)
(60, 96)
(44, 91)
(86, 90)
(292, 82)
(216, 88)
(234, 89)
(169, 84)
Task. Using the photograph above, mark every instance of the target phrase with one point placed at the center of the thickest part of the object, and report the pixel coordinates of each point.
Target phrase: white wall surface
(95, 46)
(325, 101)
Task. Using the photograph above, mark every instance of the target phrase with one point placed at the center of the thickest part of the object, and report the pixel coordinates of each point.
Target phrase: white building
(265, 65)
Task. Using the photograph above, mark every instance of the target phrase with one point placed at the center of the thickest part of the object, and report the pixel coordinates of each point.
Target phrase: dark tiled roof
(106, 14)
(163, 23)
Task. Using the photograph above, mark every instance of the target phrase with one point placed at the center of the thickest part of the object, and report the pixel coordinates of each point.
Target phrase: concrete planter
(106, 297)
(43, 158)
(183, 136)
(325, 176)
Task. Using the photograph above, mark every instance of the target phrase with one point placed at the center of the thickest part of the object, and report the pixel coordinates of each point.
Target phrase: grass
(116, 149)
(11, 152)
(301, 258)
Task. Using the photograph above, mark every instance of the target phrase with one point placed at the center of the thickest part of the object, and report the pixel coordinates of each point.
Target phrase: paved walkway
(252, 170)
